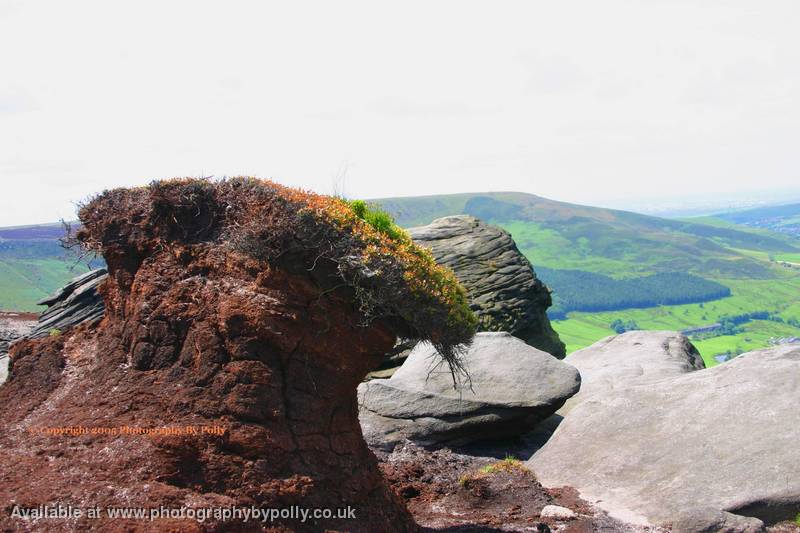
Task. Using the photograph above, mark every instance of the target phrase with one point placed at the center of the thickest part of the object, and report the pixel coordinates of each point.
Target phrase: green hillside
(607, 265)
(33, 265)
(783, 219)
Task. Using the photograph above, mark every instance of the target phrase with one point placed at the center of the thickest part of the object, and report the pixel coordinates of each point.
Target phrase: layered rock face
(217, 378)
(503, 288)
(75, 303)
(654, 438)
(512, 387)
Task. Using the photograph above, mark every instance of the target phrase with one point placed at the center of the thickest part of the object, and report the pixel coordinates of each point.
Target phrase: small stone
(556, 512)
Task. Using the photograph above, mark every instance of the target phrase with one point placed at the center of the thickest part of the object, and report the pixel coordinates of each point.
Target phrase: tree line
(578, 290)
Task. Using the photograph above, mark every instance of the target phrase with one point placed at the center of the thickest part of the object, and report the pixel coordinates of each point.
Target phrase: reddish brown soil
(197, 335)
(21, 316)
(447, 491)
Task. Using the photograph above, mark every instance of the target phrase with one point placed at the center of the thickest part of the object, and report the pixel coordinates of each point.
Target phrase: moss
(379, 219)
(506, 465)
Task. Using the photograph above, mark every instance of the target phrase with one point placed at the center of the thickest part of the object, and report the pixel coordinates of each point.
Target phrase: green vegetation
(33, 265)
(603, 265)
(595, 258)
(621, 326)
(578, 290)
(506, 465)
(23, 282)
(378, 218)
(472, 481)
(778, 297)
(784, 219)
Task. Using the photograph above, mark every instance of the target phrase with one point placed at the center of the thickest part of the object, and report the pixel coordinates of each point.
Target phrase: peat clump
(247, 311)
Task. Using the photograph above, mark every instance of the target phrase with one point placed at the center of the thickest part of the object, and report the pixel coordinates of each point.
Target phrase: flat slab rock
(651, 435)
(512, 387)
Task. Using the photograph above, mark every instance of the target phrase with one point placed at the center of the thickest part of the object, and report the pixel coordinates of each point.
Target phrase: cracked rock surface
(659, 435)
(511, 388)
(502, 285)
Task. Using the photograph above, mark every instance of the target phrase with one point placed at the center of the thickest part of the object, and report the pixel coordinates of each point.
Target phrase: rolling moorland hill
(781, 218)
(614, 270)
(33, 264)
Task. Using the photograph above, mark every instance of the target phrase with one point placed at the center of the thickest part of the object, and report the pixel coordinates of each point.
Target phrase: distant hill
(33, 264)
(780, 218)
(606, 265)
(617, 243)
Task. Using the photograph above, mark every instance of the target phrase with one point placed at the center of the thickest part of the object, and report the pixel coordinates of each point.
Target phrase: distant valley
(782, 219)
(614, 270)
(33, 264)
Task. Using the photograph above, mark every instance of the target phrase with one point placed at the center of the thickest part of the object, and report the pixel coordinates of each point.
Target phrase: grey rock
(503, 288)
(657, 436)
(12, 328)
(632, 357)
(512, 387)
(710, 520)
(76, 302)
(556, 512)
(73, 304)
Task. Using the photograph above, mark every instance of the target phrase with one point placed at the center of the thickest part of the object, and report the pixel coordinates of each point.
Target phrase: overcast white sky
(584, 101)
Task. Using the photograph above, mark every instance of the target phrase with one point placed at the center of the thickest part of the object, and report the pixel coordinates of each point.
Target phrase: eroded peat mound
(240, 317)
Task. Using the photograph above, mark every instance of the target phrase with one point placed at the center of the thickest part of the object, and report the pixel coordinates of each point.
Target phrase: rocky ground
(481, 489)
(12, 327)
(485, 488)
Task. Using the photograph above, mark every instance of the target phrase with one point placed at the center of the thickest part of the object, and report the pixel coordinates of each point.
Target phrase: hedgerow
(342, 244)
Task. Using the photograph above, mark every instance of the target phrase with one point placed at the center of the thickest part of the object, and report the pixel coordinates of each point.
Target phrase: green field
(756, 264)
(23, 282)
(33, 265)
(781, 296)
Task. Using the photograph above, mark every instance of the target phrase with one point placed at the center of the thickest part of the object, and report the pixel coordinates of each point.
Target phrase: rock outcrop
(13, 326)
(229, 307)
(651, 435)
(503, 288)
(633, 357)
(75, 303)
(512, 387)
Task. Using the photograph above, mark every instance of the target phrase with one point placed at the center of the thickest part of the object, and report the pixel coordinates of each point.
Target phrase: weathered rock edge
(502, 286)
(648, 441)
(512, 387)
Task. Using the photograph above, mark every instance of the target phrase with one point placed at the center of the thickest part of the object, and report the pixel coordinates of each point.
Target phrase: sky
(583, 101)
